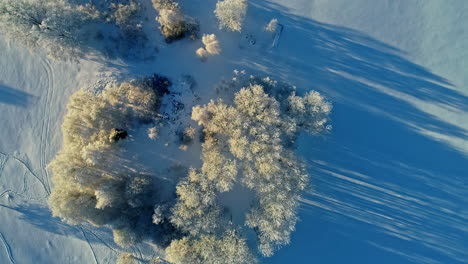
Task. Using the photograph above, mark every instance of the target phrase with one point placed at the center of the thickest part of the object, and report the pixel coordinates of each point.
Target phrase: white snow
(388, 184)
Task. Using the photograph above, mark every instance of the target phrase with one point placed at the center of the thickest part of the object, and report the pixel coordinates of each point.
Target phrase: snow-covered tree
(209, 249)
(272, 26)
(310, 112)
(211, 43)
(174, 23)
(158, 260)
(231, 14)
(202, 53)
(51, 24)
(153, 133)
(124, 14)
(127, 258)
(92, 179)
(196, 211)
(125, 236)
(68, 29)
(186, 137)
(249, 142)
(212, 46)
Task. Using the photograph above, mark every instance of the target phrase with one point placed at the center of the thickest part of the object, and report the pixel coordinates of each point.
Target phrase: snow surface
(388, 184)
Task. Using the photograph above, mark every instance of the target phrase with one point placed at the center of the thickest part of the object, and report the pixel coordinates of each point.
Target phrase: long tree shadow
(381, 190)
(354, 68)
(12, 96)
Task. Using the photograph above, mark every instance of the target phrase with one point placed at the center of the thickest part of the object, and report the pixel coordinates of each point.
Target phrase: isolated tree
(212, 46)
(153, 133)
(174, 23)
(231, 14)
(93, 182)
(272, 26)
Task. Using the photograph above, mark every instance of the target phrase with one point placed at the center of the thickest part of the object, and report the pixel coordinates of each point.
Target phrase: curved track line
(137, 249)
(44, 134)
(5, 192)
(89, 244)
(29, 169)
(3, 163)
(7, 248)
(102, 240)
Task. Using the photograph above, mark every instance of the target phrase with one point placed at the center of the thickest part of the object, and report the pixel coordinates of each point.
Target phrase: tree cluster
(92, 180)
(250, 143)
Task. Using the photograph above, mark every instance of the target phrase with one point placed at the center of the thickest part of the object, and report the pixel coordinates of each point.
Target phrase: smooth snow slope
(389, 183)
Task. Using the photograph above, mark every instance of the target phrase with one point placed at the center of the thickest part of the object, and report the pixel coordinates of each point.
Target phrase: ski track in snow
(7, 248)
(102, 240)
(44, 134)
(3, 163)
(137, 250)
(22, 162)
(5, 192)
(89, 244)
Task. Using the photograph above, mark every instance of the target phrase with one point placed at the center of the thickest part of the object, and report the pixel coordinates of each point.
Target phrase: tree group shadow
(381, 190)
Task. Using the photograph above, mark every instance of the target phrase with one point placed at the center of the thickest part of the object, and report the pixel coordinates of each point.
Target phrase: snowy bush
(127, 258)
(158, 260)
(272, 26)
(202, 53)
(125, 14)
(122, 29)
(153, 133)
(164, 4)
(174, 23)
(249, 142)
(212, 46)
(93, 181)
(231, 14)
(209, 249)
(310, 112)
(186, 137)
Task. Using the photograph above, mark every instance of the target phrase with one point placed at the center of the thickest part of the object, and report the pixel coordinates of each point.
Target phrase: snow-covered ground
(388, 184)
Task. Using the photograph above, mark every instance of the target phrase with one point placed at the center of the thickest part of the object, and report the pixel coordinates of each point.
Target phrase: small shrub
(212, 46)
(174, 23)
(272, 26)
